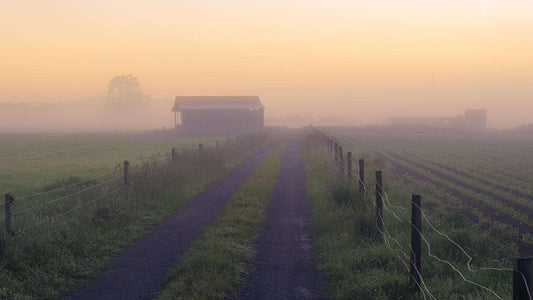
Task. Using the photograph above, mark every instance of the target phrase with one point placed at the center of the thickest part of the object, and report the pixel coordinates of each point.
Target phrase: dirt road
(284, 267)
(137, 273)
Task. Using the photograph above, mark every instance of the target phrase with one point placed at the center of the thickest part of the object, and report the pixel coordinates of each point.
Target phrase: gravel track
(284, 267)
(138, 272)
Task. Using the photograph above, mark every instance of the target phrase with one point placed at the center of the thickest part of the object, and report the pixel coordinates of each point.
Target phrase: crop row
(506, 198)
(496, 156)
(502, 182)
(497, 209)
(503, 207)
(502, 185)
(509, 163)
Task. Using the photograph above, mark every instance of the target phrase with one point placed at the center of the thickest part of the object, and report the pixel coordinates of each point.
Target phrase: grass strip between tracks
(214, 266)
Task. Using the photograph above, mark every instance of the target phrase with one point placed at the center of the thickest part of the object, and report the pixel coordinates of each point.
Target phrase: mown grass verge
(360, 264)
(215, 264)
(49, 260)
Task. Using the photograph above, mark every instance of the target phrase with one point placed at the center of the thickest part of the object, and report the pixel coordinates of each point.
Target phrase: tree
(125, 90)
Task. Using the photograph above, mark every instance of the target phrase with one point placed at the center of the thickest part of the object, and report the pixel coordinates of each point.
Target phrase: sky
(364, 61)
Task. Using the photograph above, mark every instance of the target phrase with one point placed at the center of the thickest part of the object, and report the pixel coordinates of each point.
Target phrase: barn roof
(217, 102)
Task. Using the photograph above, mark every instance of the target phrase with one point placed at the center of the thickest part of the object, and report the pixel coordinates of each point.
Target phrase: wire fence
(30, 196)
(34, 210)
(77, 208)
(44, 203)
(405, 254)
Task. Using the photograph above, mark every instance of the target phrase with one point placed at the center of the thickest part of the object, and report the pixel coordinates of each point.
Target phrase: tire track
(138, 272)
(284, 266)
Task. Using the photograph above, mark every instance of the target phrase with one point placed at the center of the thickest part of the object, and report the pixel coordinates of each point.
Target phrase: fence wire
(66, 186)
(84, 205)
(64, 197)
(387, 205)
(190, 151)
(386, 202)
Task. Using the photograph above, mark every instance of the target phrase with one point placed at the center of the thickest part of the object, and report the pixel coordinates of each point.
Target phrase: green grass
(464, 170)
(214, 266)
(30, 161)
(491, 169)
(361, 265)
(51, 259)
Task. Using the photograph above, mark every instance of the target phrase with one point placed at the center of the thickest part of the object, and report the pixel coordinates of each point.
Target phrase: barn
(218, 114)
(473, 120)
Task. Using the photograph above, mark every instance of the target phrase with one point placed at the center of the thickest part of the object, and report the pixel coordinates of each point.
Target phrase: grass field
(65, 237)
(30, 161)
(487, 177)
(475, 192)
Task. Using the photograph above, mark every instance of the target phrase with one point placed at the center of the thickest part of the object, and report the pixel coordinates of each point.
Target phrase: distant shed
(219, 114)
(473, 120)
(476, 119)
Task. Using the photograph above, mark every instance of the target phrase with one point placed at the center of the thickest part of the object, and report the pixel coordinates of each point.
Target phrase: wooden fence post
(173, 160)
(8, 200)
(336, 149)
(349, 161)
(126, 165)
(362, 178)
(200, 150)
(416, 241)
(217, 144)
(126, 181)
(379, 201)
(523, 278)
(341, 161)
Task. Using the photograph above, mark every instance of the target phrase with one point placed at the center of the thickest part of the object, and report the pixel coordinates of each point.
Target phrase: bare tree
(125, 90)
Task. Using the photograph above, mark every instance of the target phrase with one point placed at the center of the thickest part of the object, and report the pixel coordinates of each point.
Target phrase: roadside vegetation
(360, 261)
(215, 265)
(67, 235)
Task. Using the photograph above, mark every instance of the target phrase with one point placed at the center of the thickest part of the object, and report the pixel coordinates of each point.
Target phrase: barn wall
(224, 121)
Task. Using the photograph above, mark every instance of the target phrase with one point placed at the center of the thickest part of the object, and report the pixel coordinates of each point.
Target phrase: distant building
(218, 114)
(476, 119)
(472, 120)
(428, 122)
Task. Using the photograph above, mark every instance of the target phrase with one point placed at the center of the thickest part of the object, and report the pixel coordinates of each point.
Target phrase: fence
(523, 266)
(122, 182)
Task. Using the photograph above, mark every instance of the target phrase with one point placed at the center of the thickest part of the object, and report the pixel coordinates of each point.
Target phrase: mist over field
(326, 63)
(93, 114)
(82, 116)
(281, 149)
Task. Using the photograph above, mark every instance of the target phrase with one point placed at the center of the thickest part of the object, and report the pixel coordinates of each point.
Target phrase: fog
(82, 116)
(347, 63)
(294, 110)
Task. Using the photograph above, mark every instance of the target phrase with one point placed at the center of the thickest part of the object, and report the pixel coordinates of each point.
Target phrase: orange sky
(377, 58)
